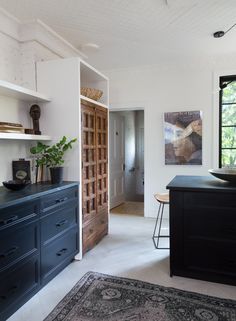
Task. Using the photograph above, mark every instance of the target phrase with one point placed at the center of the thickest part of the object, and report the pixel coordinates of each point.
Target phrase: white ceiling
(136, 32)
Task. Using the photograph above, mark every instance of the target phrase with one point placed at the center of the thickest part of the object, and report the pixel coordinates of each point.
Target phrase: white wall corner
(38, 31)
(9, 25)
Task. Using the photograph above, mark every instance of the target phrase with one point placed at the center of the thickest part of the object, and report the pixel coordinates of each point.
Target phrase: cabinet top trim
(10, 198)
(199, 183)
(94, 102)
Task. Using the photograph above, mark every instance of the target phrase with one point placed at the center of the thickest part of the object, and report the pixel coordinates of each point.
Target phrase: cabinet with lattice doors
(62, 80)
(94, 175)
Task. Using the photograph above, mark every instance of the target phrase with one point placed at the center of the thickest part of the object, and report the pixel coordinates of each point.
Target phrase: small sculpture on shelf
(35, 114)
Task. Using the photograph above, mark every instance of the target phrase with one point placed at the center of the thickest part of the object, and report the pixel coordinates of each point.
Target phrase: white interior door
(116, 159)
(140, 162)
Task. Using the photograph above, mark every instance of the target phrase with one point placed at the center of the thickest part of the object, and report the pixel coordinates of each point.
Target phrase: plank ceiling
(136, 32)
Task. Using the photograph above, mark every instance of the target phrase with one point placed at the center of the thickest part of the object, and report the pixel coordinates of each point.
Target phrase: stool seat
(163, 199)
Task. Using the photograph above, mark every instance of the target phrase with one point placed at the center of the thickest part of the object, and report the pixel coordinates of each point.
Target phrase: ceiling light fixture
(91, 47)
(219, 34)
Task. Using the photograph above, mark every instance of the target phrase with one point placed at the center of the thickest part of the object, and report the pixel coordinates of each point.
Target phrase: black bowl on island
(16, 185)
(226, 174)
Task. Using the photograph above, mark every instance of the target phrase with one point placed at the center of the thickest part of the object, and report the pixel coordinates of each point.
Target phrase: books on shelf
(11, 128)
(3, 123)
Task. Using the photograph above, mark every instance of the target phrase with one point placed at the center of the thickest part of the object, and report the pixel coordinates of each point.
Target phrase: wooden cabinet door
(94, 175)
(89, 168)
(101, 150)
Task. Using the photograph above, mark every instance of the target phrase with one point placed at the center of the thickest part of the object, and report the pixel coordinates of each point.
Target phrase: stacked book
(11, 128)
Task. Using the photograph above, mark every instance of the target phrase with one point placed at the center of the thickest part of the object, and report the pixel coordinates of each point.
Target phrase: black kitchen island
(203, 228)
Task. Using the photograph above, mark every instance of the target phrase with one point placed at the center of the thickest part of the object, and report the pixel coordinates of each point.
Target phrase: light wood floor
(127, 251)
(129, 208)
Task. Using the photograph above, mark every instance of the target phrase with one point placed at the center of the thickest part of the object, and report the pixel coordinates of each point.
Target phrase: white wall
(166, 88)
(21, 46)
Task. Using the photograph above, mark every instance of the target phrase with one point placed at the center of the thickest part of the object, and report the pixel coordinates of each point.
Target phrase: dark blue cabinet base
(39, 236)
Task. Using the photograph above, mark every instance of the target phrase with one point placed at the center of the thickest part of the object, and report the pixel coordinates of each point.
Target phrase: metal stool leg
(154, 232)
(158, 236)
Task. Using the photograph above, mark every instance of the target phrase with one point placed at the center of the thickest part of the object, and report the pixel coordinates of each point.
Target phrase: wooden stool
(162, 199)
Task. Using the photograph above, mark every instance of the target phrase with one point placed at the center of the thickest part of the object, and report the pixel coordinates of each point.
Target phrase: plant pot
(56, 175)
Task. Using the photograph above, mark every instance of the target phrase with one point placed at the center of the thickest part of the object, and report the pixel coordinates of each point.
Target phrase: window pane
(228, 157)
(228, 95)
(228, 137)
(229, 114)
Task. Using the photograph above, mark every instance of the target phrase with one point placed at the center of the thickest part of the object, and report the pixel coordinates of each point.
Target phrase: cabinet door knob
(9, 252)
(9, 293)
(60, 200)
(61, 223)
(62, 251)
(9, 220)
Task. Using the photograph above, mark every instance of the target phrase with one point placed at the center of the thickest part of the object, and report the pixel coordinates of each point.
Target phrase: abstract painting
(183, 138)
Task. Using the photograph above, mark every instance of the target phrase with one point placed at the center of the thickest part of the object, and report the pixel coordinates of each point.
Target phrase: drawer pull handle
(62, 251)
(9, 252)
(9, 293)
(60, 200)
(61, 223)
(9, 220)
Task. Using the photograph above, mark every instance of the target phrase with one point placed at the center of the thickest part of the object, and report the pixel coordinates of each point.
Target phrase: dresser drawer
(58, 251)
(14, 214)
(95, 226)
(17, 284)
(101, 224)
(58, 222)
(20, 242)
(58, 199)
(210, 223)
(94, 231)
(207, 200)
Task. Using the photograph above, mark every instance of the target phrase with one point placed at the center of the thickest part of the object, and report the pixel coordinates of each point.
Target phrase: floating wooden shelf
(11, 90)
(16, 136)
(93, 101)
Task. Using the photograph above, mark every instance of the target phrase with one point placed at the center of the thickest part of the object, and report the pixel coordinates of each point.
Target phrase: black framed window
(227, 121)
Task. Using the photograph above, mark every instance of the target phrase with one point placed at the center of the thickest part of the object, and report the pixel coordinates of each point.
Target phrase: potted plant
(52, 157)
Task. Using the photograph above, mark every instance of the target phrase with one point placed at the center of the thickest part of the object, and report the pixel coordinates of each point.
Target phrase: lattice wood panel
(101, 146)
(94, 175)
(89, 162)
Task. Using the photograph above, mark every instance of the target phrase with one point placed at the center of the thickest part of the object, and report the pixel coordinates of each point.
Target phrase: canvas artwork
(183, 138)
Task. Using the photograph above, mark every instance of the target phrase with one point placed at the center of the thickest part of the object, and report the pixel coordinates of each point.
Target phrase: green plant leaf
(52, 156)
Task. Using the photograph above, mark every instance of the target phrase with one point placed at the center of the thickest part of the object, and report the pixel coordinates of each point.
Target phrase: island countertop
(30, 192)
(204, 183)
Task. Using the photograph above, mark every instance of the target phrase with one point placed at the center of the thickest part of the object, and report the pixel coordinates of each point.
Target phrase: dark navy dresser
(39, 236)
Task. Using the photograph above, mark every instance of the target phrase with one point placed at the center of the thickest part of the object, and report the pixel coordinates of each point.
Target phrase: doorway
(126, 145)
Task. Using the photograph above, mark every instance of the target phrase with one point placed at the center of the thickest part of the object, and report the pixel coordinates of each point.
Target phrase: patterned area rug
(98, 297)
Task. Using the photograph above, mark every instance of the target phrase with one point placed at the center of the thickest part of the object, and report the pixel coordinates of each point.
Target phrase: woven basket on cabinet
(91, 93)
